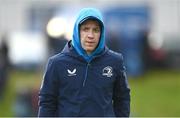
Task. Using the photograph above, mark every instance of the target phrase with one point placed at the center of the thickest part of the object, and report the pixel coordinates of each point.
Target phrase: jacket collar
(70, 51)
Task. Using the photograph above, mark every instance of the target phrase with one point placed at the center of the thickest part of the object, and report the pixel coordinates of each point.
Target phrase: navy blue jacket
(74, 87)
(78, 84)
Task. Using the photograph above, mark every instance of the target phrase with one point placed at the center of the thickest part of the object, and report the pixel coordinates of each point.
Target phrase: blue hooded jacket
(88, 13)
(77, 85)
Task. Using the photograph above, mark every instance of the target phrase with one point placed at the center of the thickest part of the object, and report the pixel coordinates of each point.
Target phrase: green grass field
(157, 93)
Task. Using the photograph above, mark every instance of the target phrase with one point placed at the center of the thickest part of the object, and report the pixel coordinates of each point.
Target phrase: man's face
(89, 35)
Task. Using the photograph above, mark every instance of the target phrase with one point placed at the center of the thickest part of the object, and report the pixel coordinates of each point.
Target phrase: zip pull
(87, 67)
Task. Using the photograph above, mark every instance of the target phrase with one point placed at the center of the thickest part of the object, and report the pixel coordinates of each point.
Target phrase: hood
(88, 13)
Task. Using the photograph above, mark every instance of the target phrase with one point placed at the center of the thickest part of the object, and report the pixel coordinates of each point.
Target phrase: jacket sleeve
(48, 92)
(121, 92)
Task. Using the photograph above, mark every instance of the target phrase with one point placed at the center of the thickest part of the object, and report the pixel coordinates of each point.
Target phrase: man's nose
(90, 34)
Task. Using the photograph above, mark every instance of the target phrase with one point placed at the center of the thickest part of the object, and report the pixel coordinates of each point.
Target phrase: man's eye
(85, 29)
(97, 30)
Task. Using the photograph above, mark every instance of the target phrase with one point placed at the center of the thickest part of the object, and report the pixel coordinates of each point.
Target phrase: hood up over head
(85, 14)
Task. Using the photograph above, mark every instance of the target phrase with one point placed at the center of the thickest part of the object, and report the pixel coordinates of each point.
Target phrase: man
(86, 79)
(4, 65)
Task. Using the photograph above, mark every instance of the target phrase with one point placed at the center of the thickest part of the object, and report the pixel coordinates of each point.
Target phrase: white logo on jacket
(107, 71)
(71, 73)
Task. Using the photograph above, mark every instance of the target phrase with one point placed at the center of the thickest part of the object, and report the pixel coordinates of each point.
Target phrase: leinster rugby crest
(107, 71)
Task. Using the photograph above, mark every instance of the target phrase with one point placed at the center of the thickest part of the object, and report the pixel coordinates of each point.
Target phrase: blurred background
(147, 32)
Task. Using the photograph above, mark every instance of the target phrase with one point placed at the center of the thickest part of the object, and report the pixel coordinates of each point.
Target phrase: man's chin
(90, 50)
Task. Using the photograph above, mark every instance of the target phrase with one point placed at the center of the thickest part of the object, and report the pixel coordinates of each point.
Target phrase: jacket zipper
(87, 67)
